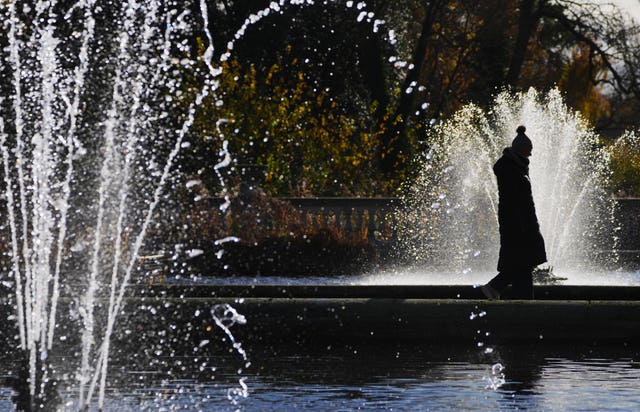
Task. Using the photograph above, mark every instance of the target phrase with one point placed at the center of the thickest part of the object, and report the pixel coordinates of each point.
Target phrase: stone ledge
(398, 320)
(555, 292)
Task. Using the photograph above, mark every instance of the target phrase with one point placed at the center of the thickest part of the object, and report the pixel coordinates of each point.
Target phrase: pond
(380, 377)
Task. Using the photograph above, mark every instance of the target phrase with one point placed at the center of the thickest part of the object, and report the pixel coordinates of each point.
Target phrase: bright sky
(630, 6)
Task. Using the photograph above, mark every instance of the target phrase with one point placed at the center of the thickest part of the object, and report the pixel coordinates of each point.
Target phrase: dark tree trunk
(371, 58)
(527, 22)
(394, 140)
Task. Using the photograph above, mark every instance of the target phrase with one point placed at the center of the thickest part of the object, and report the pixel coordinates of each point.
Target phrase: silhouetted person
(521, 244)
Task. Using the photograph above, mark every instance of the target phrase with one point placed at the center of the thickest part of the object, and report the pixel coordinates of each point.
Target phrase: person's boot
(489, 292)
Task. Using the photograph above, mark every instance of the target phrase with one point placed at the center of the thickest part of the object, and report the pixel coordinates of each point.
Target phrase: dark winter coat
(521, 244)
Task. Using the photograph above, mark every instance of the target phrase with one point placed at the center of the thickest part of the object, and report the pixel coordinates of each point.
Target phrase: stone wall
(375, 218)
(628, 214)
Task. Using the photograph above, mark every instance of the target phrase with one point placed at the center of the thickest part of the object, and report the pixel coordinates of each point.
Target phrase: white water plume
(86, 153)
(452, 207)
(87, 147)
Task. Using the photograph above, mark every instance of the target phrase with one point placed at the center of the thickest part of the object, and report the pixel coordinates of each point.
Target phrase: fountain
(87, 149)
(88, 141)
(94, 114)
(451, 209)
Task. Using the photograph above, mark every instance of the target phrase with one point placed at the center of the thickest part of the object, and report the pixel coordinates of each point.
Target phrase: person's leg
(501, 280)
(523, 284)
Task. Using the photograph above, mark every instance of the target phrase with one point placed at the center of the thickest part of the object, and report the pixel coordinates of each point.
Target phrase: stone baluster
(337, 214)
(371, 228)
(348, 227)
(394, 225)
(360, 220)
(382, 225)
(304, 215)
(324, 214)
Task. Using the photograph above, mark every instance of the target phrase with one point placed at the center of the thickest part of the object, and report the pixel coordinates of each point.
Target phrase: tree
(579, 88)
(285, 137)
(625, 165)
(455, 52)
(609, 40)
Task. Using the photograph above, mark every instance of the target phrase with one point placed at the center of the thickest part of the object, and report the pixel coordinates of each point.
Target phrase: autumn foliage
(321, 101)
(288, 137)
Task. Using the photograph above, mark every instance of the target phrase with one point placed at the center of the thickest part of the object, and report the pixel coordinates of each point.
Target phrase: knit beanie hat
(521, 141)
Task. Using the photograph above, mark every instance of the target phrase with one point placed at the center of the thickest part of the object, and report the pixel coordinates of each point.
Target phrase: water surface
(385, 377)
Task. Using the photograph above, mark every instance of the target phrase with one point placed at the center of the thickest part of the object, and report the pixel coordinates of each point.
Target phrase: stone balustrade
(371, 217)
(374, 218)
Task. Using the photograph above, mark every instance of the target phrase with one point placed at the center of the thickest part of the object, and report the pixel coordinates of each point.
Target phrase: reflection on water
(385, 377)
(418, 277)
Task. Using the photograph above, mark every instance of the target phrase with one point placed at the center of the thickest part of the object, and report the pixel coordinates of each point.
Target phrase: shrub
(625, 166)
